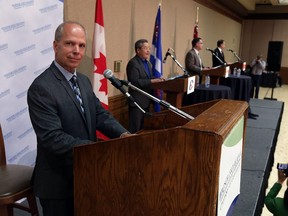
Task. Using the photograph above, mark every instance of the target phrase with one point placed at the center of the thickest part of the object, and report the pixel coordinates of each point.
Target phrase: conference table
(240, 86)
(203, 94)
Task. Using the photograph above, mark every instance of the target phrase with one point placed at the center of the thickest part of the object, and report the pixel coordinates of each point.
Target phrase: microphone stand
(178, 63)
(161, 102)
(235, 54)
(218, 58)
(139, 107)
(132, 99)
(238, 58)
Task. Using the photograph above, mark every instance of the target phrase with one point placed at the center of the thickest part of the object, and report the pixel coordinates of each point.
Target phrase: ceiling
(265, 7)
(249, 9)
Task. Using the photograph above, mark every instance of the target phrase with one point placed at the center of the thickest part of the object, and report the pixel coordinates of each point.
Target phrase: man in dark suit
(61, 121)
(139, 73)
(220, 59)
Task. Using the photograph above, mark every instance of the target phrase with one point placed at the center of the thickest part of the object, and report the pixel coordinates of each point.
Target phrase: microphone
(108, 74)
(210, 50)
(230, 50)
(166, 55)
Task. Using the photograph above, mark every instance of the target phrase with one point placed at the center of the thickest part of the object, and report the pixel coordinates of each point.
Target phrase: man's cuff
(124, 134)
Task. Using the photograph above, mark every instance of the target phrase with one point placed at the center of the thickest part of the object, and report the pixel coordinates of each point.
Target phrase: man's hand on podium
(157, 80)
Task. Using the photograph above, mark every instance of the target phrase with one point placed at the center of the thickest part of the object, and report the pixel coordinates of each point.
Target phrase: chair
(15, 185)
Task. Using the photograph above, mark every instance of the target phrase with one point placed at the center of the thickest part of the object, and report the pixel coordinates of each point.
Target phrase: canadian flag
(100, 86)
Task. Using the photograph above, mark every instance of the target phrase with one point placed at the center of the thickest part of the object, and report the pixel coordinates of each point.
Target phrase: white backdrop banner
(26, 36)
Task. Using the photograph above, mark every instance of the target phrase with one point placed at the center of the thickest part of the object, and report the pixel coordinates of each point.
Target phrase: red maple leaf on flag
(100, 65)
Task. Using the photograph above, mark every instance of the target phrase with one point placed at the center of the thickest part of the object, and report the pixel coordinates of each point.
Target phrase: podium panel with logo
(173, 167)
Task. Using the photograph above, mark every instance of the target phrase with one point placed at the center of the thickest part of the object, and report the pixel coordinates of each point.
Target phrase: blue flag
(156, 56)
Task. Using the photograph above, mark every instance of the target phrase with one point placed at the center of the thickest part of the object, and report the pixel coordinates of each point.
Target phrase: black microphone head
(108, 73)
(210, 50)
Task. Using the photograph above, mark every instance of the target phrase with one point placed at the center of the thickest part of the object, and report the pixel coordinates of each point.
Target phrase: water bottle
(197, 81)
(238, 72)
(235, 71)
(207, 81)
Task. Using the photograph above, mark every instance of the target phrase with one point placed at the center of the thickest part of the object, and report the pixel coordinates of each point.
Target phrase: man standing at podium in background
(258, 65)
(219, 53)
(194, 65)
(193, 62)
(139, 73)
(65, 113)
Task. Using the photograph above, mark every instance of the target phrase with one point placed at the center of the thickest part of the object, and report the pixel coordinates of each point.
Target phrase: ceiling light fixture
(283, 1)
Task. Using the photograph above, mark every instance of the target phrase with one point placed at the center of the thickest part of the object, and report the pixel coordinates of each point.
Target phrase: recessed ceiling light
(283, 1)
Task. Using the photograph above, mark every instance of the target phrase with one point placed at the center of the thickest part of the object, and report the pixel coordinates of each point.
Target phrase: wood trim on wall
(284, 75)
(118, 106)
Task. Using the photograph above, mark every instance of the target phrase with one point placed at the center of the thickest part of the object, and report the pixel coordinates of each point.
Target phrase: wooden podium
(174, 90)
(216, 73)
(241, 65)
(172, 168)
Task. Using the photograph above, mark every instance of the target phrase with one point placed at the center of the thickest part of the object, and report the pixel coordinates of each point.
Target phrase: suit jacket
(220, 55)
(275, 204)
(192, 63)
(60, 125)
(136, 74)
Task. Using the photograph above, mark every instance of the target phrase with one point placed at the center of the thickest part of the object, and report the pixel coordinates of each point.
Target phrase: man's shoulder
(134, 61)
(191, 51)
(48, 76)
(45, 74)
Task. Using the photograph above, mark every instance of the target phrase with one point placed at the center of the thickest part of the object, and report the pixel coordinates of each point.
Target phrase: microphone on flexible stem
(210, 50)
(108, 74)
(166, 55)
(230, 50)
(161, 102)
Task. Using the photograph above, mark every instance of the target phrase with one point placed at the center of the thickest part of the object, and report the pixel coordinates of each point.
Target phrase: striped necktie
(77, 92)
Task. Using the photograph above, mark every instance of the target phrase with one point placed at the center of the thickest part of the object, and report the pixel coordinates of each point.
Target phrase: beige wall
(258, 33)
(128, 20)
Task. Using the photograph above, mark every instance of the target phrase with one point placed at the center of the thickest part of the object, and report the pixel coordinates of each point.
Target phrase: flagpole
(197, 14)
(195, 33)
(156, 54)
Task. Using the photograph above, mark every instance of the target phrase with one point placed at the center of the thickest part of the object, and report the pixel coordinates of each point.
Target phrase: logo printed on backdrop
(15, 72)
(23, 4)
(22, 94)
(3, 46)
(49, 8)
(4, 93)
(25, 49)
(17, 115)
(48, 50)
(13, 26)
(41, 29)
(21, 61)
